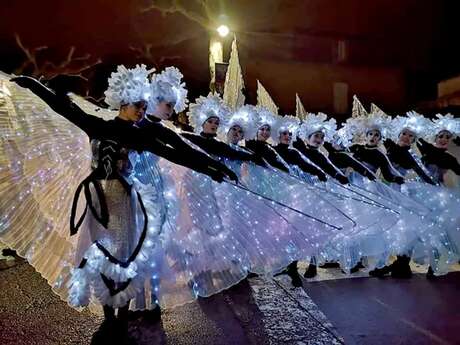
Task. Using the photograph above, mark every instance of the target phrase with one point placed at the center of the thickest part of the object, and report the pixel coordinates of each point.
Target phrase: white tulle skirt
(213, 234)
(418, 233)
(439, 245)
(361, 216)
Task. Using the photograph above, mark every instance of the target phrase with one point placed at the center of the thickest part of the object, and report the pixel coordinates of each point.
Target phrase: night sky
(396, 50)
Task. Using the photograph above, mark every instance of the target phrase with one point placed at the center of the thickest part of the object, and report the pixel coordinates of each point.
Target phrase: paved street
(257, 311)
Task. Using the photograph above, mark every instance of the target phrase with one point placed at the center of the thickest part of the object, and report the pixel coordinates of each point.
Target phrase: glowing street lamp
(223, 30)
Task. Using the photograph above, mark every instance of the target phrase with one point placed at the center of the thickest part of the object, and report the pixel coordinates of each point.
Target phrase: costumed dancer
(309, 139)
(347, 202)
(410, 232)
(435, 156)
(112, 259)
(421, 185)
(207, 115)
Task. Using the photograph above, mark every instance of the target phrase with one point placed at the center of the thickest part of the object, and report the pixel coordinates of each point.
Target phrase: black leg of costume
(311, 271)
(330, 264)
(358, 266)
(109, 313)
(155, 313)
(122, 324)
(292, 272)
(380, 272)
(430, 274)
(400, 268)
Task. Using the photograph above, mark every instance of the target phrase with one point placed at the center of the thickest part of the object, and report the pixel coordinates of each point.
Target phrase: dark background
(390, 52)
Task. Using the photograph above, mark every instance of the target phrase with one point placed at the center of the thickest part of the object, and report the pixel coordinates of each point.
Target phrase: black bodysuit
(344, 160)
(264, 151)
(437, 160)
(211, 145)
(375, 159)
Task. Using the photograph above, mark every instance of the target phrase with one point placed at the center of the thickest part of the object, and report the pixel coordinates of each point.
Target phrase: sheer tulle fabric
(214, 234)
(204, 236)
(360, 215)
(439, 245)
(419, 232)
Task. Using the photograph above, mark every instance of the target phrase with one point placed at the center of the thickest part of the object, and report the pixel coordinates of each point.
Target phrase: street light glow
(223, 30)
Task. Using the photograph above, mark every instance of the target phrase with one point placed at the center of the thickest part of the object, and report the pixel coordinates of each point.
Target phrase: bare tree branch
(75, 66)
(203, 17)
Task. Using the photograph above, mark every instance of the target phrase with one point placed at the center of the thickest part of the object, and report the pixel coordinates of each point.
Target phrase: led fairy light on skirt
(206, 107)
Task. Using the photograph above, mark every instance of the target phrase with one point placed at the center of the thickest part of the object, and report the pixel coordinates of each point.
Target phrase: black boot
(400, 268)
(430, 274)
(293, 273)
(109, 313)
(380, 272)
(104, 335)
(358, 266)
(330, 264)
(252, 275)
(9, 252)
(122, 325)
(311, 271)
(155, 313)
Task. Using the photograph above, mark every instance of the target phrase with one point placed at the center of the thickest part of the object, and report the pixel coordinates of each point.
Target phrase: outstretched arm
(388, 172)
(358, 167)
(166, 143)
(419, 170)
(307, 167)
(424, 146)
(62, 105)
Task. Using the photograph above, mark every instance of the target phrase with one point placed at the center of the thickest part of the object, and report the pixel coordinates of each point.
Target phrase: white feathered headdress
(358, 127)
(265, 117)
(168, 86)
(285, 123)
(205, 108)
(343, 136)
(245, 117)
(127, 86)
(446, 123)
(317, 123)
(415, 122)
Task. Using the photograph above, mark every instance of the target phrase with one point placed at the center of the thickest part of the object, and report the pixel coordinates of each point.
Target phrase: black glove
(231, 175)
(217, 176)
(322, 177)
(387, 142)
(399, 180)
(219, 172)
(25, 82)
(371, 177)
(342, 179)
(64, 83)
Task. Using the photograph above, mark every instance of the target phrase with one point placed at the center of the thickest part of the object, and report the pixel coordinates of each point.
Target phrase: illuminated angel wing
(43, 158)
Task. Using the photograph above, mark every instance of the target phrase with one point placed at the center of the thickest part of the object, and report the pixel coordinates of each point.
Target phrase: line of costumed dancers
(160, 217)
